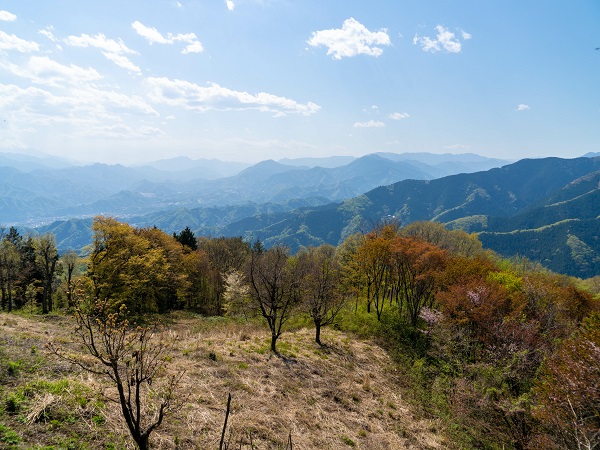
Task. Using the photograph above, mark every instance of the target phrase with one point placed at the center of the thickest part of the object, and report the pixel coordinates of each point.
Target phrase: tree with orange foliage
(372, 260)
(418, 268)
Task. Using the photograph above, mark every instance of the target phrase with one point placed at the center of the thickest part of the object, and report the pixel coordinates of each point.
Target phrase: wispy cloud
(101, 42)
(522, 107)
(444, 40)
(191, 96)
(79, 108)
(398, 116)
(230, 5)
(48, 32)
(42, 70)
(7, 16)
(122, 61)
(350, 40)
(112, 50)
(153, 36)
(369, 124)
(12, 42)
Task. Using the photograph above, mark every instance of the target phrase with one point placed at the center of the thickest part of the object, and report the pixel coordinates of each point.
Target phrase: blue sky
(247, 80)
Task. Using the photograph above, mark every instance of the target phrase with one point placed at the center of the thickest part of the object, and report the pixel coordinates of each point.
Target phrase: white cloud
(351, 40)
(112, 50)
(48, 33)
(122, 61)
(12, 42)
(6, 16)
(398, 116)
(230, 5)
(369, 124)
(445, 39)
(522, 107)
(214, 97)
(43, 70)
(101, 42)
(74, 114)
(195, 47)
(150, 34)
(153, 36)
(71, 113)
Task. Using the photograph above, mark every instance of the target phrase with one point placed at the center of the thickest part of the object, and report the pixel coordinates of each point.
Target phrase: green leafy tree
(69, 260)
(187, 238)
(126, 268)
(46, 257)
(224, 254)
(9, 266)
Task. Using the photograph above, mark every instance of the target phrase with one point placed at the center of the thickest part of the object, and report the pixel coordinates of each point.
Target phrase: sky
(133, 81)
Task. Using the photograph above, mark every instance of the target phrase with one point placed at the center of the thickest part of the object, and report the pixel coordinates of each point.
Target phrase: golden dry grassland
(347, 394)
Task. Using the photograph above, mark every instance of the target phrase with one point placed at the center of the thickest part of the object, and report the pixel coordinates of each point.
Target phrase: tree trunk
(142, 442)
(45, 300)
(69, 288)
(9, 296)
(274, 342)
(318, 332)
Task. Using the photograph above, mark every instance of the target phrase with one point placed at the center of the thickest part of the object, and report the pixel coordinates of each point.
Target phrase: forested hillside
(531, 198)
(468, 350)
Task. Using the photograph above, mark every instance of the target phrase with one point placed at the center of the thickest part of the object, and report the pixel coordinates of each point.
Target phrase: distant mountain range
(36, 190)
(546, 209)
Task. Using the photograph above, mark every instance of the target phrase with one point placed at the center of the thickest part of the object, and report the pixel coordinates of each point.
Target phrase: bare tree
(133, 360)
(320, 286)
(273, 286)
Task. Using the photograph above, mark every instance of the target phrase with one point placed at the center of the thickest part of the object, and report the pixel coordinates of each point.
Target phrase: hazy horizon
(250, 80)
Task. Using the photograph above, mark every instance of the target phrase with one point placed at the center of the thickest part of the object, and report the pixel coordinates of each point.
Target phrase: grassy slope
(347, 395)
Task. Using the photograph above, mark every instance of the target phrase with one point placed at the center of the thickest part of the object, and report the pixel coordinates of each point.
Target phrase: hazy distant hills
(34, 190)
(545, 209)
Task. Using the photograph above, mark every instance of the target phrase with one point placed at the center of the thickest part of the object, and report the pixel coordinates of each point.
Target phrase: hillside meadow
(346, 394)
(411, 337)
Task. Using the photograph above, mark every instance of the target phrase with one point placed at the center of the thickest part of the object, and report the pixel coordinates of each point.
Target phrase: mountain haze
(45, 194)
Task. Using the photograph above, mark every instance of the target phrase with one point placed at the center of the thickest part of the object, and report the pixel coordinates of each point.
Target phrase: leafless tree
(133, 359)
(320, 286)
(273, 286)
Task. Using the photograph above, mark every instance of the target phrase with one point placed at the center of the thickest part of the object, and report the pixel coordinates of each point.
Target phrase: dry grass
(345, 395)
